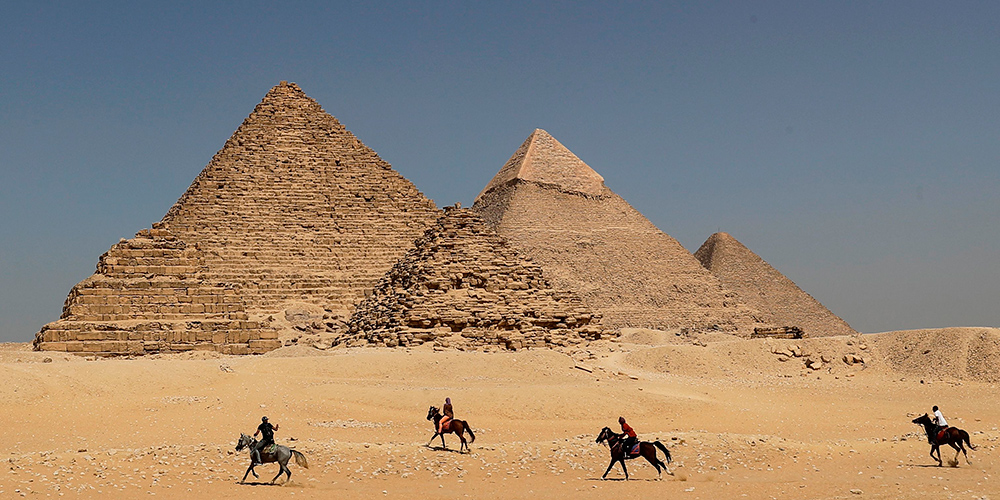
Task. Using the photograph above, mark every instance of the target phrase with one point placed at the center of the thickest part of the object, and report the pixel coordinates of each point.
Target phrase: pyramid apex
(715, 245)
(721, 237)
(543, 160)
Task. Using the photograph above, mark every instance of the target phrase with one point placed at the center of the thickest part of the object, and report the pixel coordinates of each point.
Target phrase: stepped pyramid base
(149, 295)
(118, 338)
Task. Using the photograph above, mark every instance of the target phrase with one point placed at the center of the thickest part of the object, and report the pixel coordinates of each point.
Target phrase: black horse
(952, 436)
(647, 450)
(454, 425)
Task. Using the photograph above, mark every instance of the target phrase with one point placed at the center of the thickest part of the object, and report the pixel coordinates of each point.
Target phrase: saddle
(633, 451)
(940, 434)
(269, 449)
(446, 427)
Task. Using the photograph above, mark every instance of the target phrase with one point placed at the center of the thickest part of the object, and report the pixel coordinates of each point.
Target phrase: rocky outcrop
(462, 285)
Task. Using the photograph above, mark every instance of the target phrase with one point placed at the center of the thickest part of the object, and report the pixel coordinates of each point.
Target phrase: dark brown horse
(952, 436)
(454, 425)
(647, 450)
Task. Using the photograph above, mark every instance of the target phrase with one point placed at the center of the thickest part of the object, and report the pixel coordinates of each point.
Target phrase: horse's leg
(958, 449)
(461, 436)
(666, 469)
(964, 436)
(612, 464)
(442, 441)
(281, 470)
(432, 439)
(624, 468)
(938, 457)
(249, 469)
(655, 462)
(287, 469)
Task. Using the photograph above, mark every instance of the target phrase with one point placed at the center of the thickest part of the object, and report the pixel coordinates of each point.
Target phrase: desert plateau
(821, 418)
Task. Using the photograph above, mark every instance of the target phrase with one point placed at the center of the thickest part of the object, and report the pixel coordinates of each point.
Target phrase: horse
(952, 436)
(647, 450)
(454, 425)
(280, 454)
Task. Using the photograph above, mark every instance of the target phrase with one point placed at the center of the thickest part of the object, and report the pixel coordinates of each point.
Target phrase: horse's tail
(965, 437)
(664, 450)
(300, 459)
(471, 434)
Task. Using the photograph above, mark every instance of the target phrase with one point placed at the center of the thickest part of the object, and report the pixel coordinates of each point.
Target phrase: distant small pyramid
(766, 289)
(544, 160)
(555, 209)
(292, 209)
(462, 285)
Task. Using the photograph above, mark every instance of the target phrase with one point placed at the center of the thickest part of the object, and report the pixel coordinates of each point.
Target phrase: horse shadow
(622, 479)
(946, 465)
(259, 483)
(450, 450)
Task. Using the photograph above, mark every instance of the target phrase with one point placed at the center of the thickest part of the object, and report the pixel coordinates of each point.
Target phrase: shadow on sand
(630, 479)
(450, 450)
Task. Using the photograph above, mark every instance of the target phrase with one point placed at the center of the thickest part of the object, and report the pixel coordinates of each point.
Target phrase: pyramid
(462, 285)
(555, 209)
(764, 288)
(293, 208)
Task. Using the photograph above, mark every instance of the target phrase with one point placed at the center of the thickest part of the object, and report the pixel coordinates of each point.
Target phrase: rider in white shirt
(939, 419)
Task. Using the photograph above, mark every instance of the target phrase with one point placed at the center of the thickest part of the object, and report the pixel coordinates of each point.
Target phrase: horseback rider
(266, 430)
(449, 414)
(630, 437)
(939, 420)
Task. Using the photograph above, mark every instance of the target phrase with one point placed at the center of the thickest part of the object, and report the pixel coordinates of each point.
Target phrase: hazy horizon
(852, 146)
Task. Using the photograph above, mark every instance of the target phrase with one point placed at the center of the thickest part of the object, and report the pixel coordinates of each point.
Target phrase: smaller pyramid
(763, 287)
(462, 286)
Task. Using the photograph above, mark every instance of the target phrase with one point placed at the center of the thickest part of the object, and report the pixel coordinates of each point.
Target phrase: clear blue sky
(853, 145)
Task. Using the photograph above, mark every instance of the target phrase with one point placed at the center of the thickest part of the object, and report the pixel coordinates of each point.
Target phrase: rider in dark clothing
(266, 430)
(630, 437)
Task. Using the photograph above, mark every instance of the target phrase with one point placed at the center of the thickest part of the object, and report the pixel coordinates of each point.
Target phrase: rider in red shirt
(630, 437)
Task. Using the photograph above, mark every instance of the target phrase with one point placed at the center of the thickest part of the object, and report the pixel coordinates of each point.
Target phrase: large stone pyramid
(294, 208)
(557, 210)
(462, 285)
(764, 288)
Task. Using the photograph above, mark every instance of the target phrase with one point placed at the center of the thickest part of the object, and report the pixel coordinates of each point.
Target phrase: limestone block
(53, 346)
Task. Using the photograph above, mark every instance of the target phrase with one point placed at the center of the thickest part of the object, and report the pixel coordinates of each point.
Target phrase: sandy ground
(742, 419)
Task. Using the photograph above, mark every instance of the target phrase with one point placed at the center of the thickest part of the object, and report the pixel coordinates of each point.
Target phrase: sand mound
(943, 353)
(723, 355)
(936, 354)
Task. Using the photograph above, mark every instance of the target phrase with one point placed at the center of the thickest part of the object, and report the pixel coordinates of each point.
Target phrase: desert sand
(754, 419)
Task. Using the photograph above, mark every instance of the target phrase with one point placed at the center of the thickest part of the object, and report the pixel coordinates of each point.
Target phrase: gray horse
(277, 453)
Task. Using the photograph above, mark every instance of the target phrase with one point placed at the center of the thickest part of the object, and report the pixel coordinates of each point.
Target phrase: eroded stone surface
(462, 285)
